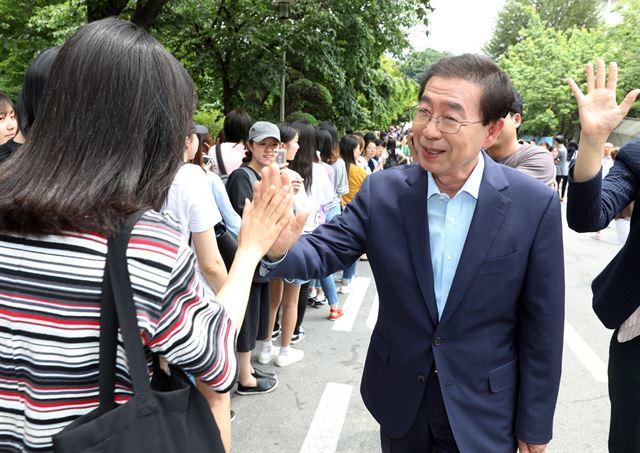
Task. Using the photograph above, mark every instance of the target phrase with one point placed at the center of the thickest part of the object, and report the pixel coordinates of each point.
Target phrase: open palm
(273, 181)
(599, 112)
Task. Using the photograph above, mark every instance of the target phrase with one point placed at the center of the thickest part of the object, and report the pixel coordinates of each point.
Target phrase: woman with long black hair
(107, 142)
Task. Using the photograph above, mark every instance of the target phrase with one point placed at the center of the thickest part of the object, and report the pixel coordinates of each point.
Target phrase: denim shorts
(296, 281)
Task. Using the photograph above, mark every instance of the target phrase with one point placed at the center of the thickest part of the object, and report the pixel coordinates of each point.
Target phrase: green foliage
(27, 28)
(624, 42)
(213, 119)
(333, 51)
(517, 15)
(539, 66)
(544, 58)
(233, 50)
(414, 65)
(302, 116)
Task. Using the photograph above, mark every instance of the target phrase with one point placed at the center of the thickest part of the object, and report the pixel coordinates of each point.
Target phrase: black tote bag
(227, 244)
(168, 415)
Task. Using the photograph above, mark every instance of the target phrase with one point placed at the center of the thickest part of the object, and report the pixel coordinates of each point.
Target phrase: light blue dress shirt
(449, 221)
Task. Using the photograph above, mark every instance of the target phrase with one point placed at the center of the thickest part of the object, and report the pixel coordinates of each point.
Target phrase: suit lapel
(488, 217)
(413, 206)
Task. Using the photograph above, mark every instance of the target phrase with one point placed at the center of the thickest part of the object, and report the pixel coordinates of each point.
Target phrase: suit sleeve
(593, 204)
(332, 246)
(541, 325)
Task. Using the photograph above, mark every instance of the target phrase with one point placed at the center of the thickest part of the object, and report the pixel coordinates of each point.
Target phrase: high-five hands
(598, 109)
(264, 218)
(274, 182)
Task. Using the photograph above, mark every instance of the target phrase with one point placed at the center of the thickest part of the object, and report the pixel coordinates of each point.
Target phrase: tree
(27, 28)
(517, 15)
(145, 13)
(624, 42)
(539, 66)
(233, 49)
(415, 64)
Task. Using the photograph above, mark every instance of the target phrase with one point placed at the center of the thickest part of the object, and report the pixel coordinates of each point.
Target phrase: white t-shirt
(191, 202)
(321, 194)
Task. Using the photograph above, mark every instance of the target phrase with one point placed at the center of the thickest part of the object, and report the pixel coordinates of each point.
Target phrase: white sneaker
(266, 356)
(293, 356)
(312, 294)
(345, 289)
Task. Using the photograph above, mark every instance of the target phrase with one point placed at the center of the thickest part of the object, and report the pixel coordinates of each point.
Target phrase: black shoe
(298, 337)
(265, 385)
(276, 332)
(233, 415)
(319, 303)
(263, 374)
(311, 301)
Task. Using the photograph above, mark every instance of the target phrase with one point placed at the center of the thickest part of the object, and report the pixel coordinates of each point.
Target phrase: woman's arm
(209, 259)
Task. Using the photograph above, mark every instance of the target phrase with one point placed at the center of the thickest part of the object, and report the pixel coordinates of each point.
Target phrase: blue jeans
(327, 283)
(349, 272)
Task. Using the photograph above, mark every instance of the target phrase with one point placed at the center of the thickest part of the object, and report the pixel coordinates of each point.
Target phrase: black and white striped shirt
(50, 318)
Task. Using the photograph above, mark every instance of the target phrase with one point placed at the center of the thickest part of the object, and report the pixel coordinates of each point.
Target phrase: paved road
(317, 407)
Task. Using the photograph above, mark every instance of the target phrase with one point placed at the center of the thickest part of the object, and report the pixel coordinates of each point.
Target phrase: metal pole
(284, 75)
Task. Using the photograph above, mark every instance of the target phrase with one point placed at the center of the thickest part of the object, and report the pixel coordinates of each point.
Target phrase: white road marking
(373, 313)
(324, 433)
(585, 354)
(352, 305)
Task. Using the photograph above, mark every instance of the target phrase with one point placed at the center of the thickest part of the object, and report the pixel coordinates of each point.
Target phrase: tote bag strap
(118, 309)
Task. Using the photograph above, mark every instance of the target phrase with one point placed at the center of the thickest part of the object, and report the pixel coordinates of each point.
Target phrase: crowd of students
(156, 158)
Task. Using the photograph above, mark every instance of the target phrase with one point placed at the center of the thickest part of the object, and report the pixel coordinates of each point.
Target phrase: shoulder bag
(166, 415)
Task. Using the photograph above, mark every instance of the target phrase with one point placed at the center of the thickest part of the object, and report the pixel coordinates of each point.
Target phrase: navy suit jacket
(498, 346)
(591, 206)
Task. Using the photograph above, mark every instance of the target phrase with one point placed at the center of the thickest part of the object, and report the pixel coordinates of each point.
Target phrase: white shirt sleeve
(191, 201)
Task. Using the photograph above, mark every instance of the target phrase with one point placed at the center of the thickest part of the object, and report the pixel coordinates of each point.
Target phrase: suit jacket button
(437, 341)
(421, 379)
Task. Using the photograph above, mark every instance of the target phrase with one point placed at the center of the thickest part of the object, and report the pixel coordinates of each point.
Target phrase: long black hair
(324, 142)
(287, 132)
(348, 145)
(306, 155)
(333, 130)
(33, 87)
(108, 137)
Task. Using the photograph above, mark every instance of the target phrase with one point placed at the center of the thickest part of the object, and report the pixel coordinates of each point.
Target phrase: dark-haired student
(62, 197)
(262, 141)
(29, 98)
(8, 121)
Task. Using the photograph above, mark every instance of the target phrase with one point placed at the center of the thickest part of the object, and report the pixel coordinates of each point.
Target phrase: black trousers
(256, 318)
(431, 431)
(624, 394)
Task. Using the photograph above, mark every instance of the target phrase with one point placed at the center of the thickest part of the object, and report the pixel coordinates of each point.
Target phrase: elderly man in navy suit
(466, 253)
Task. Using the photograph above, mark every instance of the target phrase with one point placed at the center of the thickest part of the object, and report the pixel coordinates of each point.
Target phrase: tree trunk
(146, 12)
(99, 9)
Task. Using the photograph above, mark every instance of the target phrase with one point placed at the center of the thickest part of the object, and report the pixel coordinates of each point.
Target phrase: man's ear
(517, 120)
(492, 133)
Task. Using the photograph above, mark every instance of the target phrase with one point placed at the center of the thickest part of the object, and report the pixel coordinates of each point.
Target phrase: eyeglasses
(445, 124)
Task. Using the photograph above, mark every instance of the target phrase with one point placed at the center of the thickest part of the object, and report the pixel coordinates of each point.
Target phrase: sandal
(335, 313)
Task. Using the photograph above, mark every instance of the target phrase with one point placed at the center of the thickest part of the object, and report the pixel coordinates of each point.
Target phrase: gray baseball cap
(263, 129)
